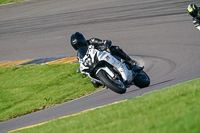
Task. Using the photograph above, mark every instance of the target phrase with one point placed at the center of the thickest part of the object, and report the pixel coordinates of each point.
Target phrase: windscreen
(82, 51)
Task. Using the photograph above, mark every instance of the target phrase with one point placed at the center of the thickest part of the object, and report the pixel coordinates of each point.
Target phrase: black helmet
(193, 10)
(78, 40)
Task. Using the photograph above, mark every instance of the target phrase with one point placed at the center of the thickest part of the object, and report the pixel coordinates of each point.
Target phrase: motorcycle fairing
(121, 67)
(93, 54)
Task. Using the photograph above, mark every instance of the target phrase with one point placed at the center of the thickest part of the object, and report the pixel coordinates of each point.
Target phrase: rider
(194, 11)
(78, 40)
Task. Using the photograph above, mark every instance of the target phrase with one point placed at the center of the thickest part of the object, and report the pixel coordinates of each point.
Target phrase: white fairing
(105, 56)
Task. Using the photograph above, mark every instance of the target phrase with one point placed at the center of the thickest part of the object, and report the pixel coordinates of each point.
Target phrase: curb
(51, 60)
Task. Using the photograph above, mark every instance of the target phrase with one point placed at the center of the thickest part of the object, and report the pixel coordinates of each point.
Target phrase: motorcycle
(109, 70)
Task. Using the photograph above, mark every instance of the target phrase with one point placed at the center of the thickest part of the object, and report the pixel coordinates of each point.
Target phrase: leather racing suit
(196, 21)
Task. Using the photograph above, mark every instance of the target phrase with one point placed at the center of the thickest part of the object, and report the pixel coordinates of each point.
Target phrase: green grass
(9, 1)
(172, 110)
(29, 88)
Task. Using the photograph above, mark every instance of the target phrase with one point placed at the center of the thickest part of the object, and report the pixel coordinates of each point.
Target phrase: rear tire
(107, 81)
(142, 80)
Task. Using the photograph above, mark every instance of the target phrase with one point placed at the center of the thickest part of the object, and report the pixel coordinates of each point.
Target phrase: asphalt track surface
(159, 32)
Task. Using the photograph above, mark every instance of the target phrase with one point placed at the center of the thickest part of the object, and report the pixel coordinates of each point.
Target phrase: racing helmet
(193, 10)
(78, 40)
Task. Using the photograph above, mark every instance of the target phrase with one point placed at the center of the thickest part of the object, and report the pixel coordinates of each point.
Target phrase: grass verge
(9, 1)
(25, 89)
(175, 109)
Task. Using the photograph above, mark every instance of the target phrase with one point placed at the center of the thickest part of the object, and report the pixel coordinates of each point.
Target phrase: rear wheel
(142, 80)
(114, 84)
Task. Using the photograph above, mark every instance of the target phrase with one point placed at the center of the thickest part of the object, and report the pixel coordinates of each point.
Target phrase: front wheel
(142, 80)
(113, 84)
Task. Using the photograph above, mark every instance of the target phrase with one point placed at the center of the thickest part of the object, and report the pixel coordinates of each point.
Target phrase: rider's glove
(103, 48)
(106, 45)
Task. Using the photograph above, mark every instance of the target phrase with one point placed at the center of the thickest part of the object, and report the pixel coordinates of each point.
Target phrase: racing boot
(131, 62)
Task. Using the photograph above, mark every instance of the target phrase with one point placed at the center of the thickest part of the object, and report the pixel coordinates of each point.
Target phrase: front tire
(115, 85)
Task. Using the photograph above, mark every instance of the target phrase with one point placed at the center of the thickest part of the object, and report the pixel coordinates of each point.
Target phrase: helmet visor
(82, 51)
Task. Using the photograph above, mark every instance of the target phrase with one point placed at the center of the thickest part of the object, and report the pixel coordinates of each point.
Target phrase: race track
(158, 32)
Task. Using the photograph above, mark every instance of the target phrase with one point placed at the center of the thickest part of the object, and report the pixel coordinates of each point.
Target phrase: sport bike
(110, 70)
